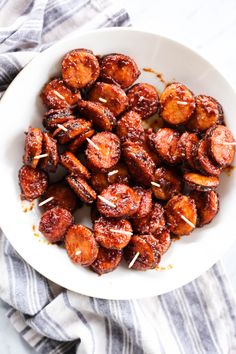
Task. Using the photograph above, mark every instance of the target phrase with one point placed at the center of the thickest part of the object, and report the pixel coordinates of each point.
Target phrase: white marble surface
(206, 26)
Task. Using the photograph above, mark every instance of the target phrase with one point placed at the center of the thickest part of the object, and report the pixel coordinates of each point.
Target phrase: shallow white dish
(21, 107)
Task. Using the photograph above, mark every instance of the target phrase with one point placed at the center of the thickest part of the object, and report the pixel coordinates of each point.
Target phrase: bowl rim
(81, 32)
(77, 34)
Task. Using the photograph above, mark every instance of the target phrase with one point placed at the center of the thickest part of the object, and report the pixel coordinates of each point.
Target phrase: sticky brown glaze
(177, 104)
(129, 127)
(109, 239)
(200, 182)
(73, 165)
(140, 164)
(150, 138)
(143, 99)
(182, 145)
(188, 145)
(54, 224)
(78, 142)
(57, 95)
(207, 206)
(166, 141)
(191, 149)
(153, 154)
(57, 116)
(80, 68)
(164, 239)
(145, 205)
(149, 255)
(170, 183)
(63, 197)
(177, 206)
(222, 154)
(110, 96)
(122, 176)
(153, 223)
(82, 189)
(100, 181)
(150, 146)
(108, 154)
(208, 112)
(50, 162)
(207, 165)
(33, 183)
(107, 260)
(81, 245)
(33, 146)
(125, 199)
(102, 117)
(119, 69)
(74, 128)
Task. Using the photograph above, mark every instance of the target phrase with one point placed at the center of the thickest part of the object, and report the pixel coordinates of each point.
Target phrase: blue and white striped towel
(198, 318)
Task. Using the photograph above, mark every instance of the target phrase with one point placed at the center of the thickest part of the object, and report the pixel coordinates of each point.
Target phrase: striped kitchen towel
(197, 318)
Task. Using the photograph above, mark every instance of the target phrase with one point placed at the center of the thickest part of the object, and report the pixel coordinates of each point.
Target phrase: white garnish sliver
(46, 201)
(106, 201)
(133, 260)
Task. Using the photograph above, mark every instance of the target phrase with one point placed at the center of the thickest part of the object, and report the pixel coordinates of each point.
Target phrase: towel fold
(197, 318)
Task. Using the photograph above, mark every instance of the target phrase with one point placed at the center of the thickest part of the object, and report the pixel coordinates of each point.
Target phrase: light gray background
(206, 26)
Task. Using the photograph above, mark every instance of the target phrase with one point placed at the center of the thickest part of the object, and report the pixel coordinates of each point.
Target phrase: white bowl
(21, 107)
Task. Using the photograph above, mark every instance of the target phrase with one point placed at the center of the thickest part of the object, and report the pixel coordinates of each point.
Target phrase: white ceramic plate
(21, 107)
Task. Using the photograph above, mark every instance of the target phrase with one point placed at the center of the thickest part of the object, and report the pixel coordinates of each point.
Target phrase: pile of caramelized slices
(145, 187)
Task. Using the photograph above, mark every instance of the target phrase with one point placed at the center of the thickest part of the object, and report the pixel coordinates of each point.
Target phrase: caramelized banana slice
(164, 239)
(110, 96)
(153, 223)
(80, 139)
(62, 196)
(147, 249)
(111, 233)
(57, 116)
(118, 174)
(208, 112)
(207, 206)
(177, 104)
(73, 128)
(50, 162)
(119, 69)
(82, 189)
(56, 95)
(104, 151)
(220, 148)
(140, 163)
(73, 165)
(80, 68)
(143, 99)
(166, 142)
(107, 260)
(167, 182)
(102, 117)
(33, 183)
(206, 164)
(145, 205)
(81, 245)
(33, 146)
(54, 224)
(181, 215)
(118, 201)
(201, 183)
(129, 127)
